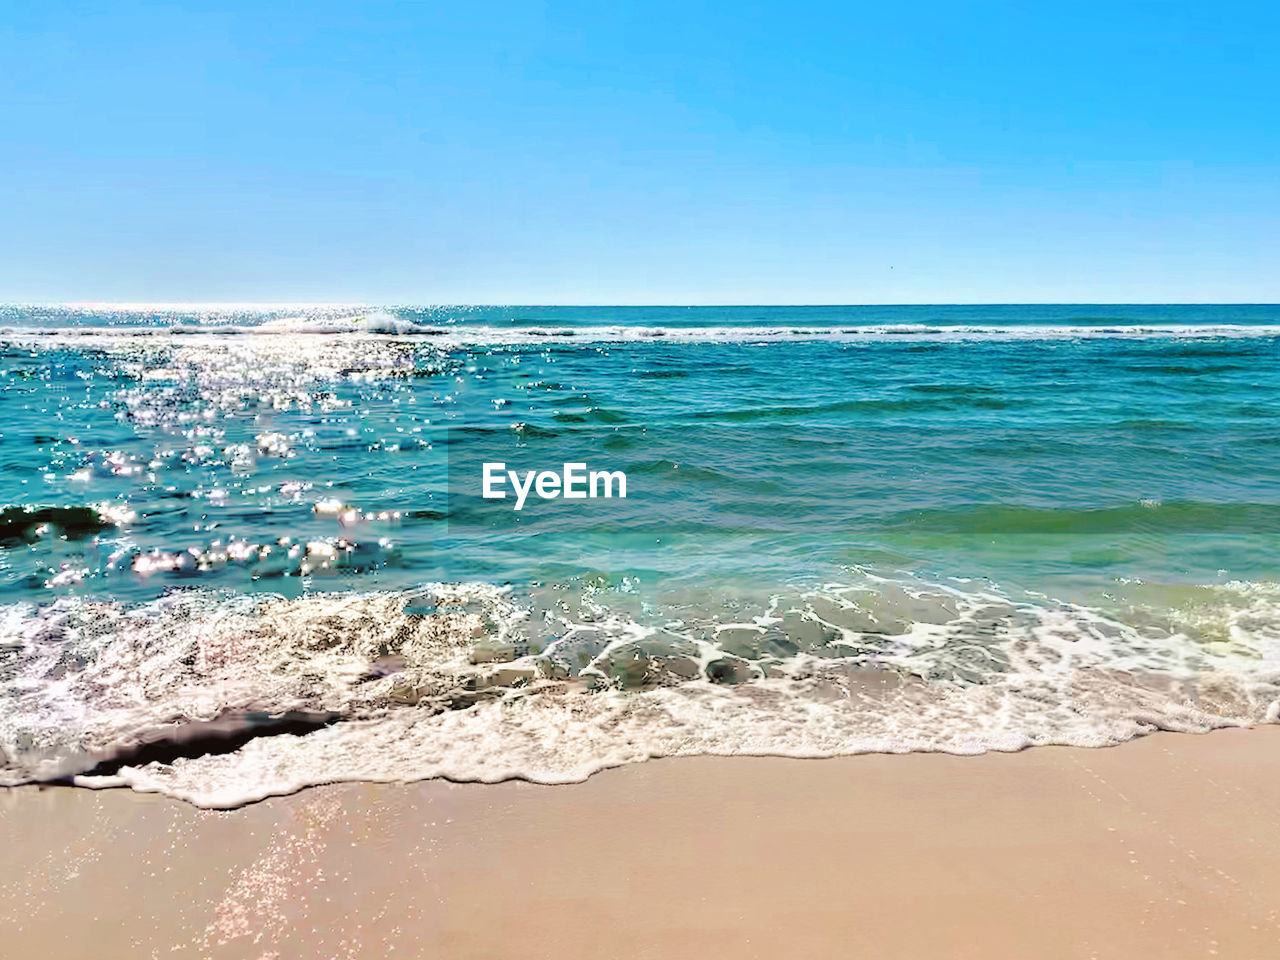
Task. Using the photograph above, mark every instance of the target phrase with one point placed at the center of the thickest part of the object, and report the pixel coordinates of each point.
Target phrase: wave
(1174, 517)
(221, 700)
(869, 405)
(480, 334)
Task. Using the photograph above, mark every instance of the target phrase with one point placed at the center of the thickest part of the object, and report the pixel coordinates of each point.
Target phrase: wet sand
(1167, 847)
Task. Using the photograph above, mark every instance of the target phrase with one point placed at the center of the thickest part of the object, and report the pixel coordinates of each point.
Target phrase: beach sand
(1165, 847)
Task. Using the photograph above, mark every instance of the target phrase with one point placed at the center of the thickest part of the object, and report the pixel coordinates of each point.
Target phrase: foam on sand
(469, 683)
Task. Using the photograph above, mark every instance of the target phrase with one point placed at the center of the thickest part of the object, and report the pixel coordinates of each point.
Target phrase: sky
(657, 152)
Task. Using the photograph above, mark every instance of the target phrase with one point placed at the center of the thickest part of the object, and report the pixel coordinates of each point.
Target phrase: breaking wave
(485, 334)
(222, 699)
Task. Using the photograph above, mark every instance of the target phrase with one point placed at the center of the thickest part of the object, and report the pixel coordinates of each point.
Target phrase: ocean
(245, 550)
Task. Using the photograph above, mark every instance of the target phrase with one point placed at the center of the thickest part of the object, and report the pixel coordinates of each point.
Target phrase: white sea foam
(470, 683)
(470, 335)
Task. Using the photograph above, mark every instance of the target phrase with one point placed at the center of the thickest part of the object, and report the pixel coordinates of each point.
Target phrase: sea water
(245, 550)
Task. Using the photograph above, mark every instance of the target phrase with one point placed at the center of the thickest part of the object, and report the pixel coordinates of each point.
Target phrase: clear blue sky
(597, 152)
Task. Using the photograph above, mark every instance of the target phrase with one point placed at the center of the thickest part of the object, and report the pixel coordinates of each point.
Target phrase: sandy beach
(1164, 847)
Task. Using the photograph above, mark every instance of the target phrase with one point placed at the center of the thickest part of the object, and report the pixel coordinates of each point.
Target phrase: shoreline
(1161, 847)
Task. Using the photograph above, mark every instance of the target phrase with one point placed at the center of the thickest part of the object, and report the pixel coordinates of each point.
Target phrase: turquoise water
(846, 529)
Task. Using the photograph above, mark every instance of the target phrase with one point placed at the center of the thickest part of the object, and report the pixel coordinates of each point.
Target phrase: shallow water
(845, 530)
